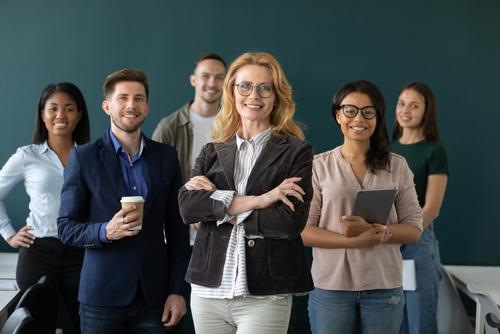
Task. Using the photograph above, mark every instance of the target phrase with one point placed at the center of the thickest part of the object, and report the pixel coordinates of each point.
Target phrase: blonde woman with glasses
(251, 190)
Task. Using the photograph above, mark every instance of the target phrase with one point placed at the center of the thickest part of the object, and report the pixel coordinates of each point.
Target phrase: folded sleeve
(198, 205)
(279, 221)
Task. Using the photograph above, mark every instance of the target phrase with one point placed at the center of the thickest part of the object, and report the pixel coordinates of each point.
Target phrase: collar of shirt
(118, 147)
(44, 147)
(259, 139)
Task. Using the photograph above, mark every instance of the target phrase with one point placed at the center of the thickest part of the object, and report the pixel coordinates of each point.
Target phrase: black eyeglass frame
(363, 110)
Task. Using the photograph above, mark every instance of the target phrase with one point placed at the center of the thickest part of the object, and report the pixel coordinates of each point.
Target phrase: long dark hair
(429, 121)
(377, 157)
(81, 133)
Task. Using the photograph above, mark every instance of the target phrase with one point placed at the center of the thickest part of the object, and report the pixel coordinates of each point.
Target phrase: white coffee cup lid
(132, 199)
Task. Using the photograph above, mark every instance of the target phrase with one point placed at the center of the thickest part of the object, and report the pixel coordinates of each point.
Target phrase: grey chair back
(32, 299)
(19, 322)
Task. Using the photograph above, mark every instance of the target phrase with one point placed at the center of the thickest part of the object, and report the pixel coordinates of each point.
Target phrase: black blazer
(275, 264)
(155, 259)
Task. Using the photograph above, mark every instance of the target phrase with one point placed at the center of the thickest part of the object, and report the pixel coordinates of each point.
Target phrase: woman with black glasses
(357, 265)
(251, 190)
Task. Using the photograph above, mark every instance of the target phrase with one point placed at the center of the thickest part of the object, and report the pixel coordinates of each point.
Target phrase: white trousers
(241, 315)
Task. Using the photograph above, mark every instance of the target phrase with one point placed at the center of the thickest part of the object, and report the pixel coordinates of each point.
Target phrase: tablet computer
(374, 205)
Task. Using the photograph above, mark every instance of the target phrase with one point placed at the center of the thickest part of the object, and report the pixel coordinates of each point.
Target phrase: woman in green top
(416, 138)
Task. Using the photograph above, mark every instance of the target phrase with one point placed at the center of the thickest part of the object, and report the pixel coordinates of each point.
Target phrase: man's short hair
(207, 56)
(126, 74)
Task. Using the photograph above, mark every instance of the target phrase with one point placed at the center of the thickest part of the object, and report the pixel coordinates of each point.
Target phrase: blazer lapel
(112, 166)
(226, 153)
(154, 171)
(272, 151)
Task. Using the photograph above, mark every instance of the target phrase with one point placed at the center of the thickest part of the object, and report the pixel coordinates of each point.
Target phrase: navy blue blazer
(155, 259)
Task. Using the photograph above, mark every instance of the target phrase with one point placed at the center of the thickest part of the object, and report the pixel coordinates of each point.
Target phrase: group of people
(247, 184)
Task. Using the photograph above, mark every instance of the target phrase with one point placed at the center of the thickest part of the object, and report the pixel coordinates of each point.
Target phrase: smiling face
(127, 106)
(60, 115)
(410, 109)
(254, 108)
(207, 80)
(357, 128)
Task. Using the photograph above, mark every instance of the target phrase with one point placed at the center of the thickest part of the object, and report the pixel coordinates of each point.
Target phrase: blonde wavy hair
(228, 121)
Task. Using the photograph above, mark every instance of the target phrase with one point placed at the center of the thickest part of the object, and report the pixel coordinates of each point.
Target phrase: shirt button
(251, 243)
(135, 188)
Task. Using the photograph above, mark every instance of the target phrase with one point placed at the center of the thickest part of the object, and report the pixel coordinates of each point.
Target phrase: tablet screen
(374, 205)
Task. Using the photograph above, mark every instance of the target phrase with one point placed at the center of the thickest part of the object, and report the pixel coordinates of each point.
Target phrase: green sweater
(424, 158)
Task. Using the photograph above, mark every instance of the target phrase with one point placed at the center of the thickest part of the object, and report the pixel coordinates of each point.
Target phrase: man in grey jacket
(188, 128)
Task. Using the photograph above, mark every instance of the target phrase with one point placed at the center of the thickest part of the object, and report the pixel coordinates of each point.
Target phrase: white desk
(7, 299)
(486, 279)
(8, 262)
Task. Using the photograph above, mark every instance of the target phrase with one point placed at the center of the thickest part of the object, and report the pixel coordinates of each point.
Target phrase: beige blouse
(335, 186)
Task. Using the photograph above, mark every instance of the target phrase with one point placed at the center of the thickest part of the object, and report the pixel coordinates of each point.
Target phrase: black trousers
(62, 265)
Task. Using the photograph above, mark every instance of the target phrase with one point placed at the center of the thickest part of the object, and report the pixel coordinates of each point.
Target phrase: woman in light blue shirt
(62, 123)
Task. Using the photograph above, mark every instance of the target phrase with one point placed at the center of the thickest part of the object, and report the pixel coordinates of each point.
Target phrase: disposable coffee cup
(138, 202)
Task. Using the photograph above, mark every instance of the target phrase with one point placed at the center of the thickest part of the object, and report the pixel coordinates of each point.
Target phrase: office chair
(31, 300)
(490, 313)
(32, 293)
(19, 322)
(493, 321)
(451, 314)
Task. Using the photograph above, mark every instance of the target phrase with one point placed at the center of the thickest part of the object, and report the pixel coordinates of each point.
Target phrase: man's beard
(127, 129)
(214, 100)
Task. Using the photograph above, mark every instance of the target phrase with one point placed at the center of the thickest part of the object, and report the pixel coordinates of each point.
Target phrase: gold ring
(123, 220)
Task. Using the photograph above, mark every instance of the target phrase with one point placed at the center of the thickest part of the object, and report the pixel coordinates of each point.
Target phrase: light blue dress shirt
(134, 173)
(42, 172)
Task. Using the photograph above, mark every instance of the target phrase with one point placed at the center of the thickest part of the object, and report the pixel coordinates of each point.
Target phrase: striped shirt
(234, 276)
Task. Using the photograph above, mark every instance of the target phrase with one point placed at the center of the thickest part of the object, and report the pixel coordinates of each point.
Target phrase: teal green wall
(451, 45)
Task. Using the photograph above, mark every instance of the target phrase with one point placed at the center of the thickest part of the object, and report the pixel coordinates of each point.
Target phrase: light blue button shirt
(42, 172)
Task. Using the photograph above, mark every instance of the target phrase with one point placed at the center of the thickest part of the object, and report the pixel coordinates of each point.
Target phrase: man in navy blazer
(131, 279)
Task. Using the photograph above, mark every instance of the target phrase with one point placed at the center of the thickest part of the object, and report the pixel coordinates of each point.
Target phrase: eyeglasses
(351, 111)
(246, 88)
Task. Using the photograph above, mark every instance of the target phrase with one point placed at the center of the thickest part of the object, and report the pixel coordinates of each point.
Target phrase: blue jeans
(421, 305)
(345, 312)
(138, 318)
